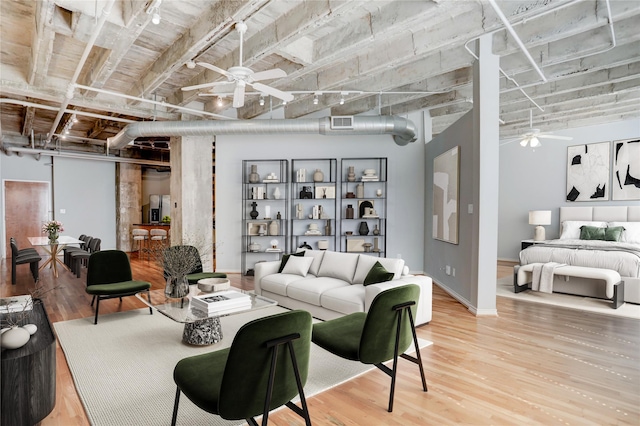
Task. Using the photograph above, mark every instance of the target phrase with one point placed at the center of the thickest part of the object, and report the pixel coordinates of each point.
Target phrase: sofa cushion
(317, 260)
(338, 265)
(378, 274)
(297, 266)
(346, 300)
(285, 258)
(366, 262)
(310, 289)
(277, 283)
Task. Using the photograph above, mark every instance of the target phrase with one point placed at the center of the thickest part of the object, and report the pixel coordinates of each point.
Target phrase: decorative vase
(31, 328)
(273, 228)
(304, 245)
(177, 287)
(276, 193)
(15, 338)
(254, 177)
(318, 176)
(360, 190)
(363, 229)
(351, 176)
(254, 212)
(53, 236)
(327, 228)
(349, 213)
(376, 230)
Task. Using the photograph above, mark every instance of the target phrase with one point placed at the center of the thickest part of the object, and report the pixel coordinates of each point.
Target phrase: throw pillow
(297, 265)
(613, 233)
(338, 265)
(285, 258)
(378, 274)
(591, 233)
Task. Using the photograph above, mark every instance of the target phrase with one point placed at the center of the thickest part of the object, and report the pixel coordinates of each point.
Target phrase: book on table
(222, 300)
(16, 304)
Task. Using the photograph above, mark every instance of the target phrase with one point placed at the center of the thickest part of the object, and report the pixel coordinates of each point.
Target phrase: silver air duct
(402, 129)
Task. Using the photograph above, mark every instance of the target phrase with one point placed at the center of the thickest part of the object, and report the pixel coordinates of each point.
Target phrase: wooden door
(26, 208)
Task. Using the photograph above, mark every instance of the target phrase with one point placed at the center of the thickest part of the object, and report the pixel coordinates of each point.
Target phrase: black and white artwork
(588, 172)
(446, 169)
(626, 170)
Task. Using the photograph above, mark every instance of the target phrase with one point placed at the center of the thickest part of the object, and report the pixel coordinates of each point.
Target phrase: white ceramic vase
(276, 193)
(15, 338)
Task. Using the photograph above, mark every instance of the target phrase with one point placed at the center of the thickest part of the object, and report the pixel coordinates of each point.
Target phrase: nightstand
(526, 243)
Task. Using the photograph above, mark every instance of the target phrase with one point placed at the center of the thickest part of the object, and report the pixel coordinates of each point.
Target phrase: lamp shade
(540, 217)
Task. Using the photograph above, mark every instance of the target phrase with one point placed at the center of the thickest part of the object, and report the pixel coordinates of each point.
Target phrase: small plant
(166, 219)
(52, 227)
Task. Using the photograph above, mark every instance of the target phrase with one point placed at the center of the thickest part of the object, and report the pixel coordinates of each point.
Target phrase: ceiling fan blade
(216, 69)
(238, 95)
(268, 74)
(288, 97)
(225, 87)
(562, 138)
(198, 86)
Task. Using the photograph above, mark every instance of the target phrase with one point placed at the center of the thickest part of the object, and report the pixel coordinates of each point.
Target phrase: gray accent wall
(536, 179)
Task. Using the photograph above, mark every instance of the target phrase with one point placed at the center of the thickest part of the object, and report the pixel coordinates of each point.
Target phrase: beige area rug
(123, 367)
(588, 304)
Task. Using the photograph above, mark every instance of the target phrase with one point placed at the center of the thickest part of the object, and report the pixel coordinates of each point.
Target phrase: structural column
(128, 202)
(191, 201)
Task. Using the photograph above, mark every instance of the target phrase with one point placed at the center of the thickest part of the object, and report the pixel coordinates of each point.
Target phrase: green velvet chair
(196, 273)
(109, 276)
(380, 335)
(265, 367)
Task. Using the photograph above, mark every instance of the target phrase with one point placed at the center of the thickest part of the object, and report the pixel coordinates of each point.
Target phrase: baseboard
(467, 303)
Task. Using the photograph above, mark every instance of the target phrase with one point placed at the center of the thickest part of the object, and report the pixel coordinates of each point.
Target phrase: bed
(622, 256)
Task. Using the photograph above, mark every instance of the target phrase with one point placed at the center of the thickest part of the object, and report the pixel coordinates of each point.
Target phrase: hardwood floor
(532, 364)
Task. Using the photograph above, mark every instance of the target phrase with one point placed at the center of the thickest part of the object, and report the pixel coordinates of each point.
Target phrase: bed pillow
(591, 233)
(298, 266)
(571, 228)
(285, 258)
(377, 274)
(613, 233)
(631, 232)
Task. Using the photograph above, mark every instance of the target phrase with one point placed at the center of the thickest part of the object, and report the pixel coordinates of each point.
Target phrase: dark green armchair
(109, 276)
(380, 335)
(265, 367)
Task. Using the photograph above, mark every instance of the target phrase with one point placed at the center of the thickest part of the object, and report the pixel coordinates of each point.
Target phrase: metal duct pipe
(402, 129)
(82, 156)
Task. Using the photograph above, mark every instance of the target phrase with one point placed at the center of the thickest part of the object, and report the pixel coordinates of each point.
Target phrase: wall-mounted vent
(342, 122)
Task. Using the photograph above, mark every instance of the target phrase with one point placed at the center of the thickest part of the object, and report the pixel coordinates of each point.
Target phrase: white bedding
(621, 257)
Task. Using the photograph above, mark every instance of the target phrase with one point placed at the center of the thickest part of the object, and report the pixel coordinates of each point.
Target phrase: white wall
(535, 179)
(405, 185)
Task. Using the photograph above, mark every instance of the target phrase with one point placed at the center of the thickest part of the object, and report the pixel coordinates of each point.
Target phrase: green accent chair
(196, 273)
(109, 276)
(377, 336)
(265, 367)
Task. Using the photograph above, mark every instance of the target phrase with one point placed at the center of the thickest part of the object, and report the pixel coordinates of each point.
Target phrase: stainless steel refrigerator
(159, 207)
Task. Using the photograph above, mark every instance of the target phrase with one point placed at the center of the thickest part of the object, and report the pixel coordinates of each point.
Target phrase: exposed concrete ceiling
(388, 56)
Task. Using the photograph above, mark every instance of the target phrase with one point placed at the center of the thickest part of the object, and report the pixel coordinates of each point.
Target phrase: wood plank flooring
(532, 364)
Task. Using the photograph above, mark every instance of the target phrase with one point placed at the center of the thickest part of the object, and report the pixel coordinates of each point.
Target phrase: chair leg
(175, 407)
(93, 299)
(418, 358)
(34, 270)
(95, 321)
(304, 412)
(149, 299)
(13, 272)
(395, 361)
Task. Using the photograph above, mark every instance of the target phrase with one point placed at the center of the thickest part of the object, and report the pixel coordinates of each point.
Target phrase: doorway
(26, 208)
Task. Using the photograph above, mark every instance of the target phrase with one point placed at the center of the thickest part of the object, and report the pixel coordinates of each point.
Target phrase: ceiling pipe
(38, 152)
(402, 129)
(71, 111)
(71, 87)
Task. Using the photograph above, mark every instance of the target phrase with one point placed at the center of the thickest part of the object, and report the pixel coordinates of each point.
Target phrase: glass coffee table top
(181, 310)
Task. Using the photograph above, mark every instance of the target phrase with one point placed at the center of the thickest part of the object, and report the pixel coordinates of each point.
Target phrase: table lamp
(539, 218)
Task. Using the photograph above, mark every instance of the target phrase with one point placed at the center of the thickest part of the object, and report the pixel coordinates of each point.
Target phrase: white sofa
(333, 286)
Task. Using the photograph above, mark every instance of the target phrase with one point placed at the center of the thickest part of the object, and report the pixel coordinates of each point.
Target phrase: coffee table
(200, 328)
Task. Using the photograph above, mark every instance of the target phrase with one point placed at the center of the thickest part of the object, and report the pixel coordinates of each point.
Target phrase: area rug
(123, 367)
(588, 304)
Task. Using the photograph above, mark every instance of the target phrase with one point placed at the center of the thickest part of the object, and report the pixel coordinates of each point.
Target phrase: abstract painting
(626, 170)
(588, 172)
(445, 195)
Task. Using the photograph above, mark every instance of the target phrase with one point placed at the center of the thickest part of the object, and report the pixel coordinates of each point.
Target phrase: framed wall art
(626, 170)
(588, 172)
(446, 177)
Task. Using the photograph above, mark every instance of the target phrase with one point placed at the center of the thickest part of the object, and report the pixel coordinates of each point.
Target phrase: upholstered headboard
(601, 213)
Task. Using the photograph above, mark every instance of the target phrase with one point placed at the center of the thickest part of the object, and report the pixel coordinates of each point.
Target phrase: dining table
(54, 248)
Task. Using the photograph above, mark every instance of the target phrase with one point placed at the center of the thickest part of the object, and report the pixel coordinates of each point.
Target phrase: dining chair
(23, 257)
(382, 334)
(66, 258)
(80, 257)
(158, 238)
(109, 276)
(265, 368)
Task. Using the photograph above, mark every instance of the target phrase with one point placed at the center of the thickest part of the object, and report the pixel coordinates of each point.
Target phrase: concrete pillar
(192, 195)
(128, 202)
(486, 133)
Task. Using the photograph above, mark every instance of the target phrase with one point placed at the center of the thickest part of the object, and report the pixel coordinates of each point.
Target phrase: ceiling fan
(239, 77)
(532, 136)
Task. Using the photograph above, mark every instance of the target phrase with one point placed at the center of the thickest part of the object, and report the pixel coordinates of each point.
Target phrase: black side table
(28, 378)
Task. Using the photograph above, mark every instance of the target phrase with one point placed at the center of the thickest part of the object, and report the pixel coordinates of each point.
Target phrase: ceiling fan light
(524, 142)
(261, 101)
(535, 142)
(219, 101)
